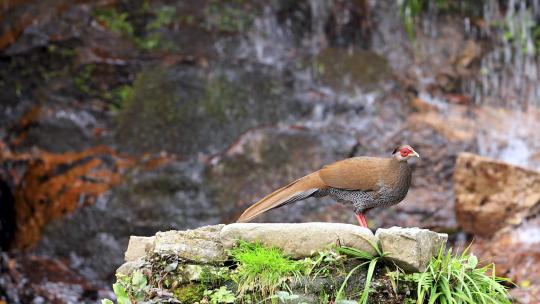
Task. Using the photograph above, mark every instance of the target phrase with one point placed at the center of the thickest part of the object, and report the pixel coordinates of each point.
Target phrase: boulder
(200, 245)
(410, 248)
(300, 240)
(491, 194)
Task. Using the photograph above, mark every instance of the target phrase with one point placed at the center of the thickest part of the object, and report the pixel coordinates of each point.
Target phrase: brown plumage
(363, 182)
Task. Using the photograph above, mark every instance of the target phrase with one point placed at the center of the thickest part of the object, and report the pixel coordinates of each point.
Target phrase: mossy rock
(190, 293)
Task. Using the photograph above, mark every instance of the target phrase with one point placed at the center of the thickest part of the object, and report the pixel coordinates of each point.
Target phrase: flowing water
(508, 81)
(506, 84)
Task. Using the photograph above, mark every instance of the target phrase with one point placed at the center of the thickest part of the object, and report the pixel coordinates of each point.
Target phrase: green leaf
(106, 301)
(121, 294)
(138, 280)
(369, 276)
(222, 295)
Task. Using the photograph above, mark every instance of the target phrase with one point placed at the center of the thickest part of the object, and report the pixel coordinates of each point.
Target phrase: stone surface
(299, 240)
(128, 267)
(200, 245)
(410, 248)
(492, 194)
(515, 251)
(138, 246)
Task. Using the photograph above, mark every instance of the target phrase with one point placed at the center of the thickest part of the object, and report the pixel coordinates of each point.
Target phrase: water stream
(506, 86)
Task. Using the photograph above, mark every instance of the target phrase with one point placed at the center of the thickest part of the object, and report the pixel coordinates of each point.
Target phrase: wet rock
(33, 279)
(150, 198)
(515, 250)
(299, 240)
(346, 71)
(454, 128)
(491, 194)
(7, 216)
(525, 295)
(201, 111)
(138, 246)
(410, 248)
(58, 184)
(200, 245)
(264, 159)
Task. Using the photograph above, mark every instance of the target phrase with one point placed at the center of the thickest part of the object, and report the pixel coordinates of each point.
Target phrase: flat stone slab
(410, 248)
(200, 245)
(299, 240)
(138, 246)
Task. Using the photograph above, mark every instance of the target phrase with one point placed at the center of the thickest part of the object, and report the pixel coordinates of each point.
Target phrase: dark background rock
(128, 117)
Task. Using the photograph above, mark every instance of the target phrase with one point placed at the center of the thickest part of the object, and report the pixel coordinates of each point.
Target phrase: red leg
(361, 219)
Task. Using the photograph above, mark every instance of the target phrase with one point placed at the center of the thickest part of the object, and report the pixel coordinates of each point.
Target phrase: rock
(410, 248)
(492, 194)
(138, 246)
(264, 159)
(128, 267)
(149, 199)
(299, 240)
(515, 251)
(200, 245)
(35, 279)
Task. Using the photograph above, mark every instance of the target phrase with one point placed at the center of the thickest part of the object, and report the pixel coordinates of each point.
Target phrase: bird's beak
(416, 154)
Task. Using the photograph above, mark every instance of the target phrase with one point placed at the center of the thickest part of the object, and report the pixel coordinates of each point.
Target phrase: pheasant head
(404, 152)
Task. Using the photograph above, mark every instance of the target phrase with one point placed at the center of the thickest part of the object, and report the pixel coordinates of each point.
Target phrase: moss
(115, 21)
(344, 71)
(190, 293)
(222, 101)
(82, 79)
(228, 16)
(141, 25)
(262, 269)
(211, 277)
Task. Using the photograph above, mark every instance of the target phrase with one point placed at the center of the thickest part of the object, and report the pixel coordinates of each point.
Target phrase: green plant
(228, 16)
(371, 263)
(121, 96)
(284, 297)
(261, 269)
(221, 295)
(128, 288)
(455, 278)
(163, 16)
(326, 262)
(83, 78)
(409, 11)
(115, 21)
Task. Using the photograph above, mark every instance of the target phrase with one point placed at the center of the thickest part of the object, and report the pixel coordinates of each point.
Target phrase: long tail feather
(293, 192)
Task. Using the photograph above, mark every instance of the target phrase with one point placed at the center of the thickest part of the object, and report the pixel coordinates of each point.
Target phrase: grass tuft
(261, 269)
(371, 263)
(455, 278)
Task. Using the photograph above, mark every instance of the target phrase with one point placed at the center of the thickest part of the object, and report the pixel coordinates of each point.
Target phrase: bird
(362, 183)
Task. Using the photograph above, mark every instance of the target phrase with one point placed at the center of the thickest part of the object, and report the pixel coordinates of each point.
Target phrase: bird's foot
(361, 220)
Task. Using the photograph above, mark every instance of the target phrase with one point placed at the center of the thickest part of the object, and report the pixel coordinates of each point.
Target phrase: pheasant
(363, 183)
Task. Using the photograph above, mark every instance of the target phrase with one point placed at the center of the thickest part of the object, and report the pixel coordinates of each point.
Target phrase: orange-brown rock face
(57, 184)
(491, 195)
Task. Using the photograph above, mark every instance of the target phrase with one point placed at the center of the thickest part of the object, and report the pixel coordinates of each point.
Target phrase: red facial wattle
(405, 152)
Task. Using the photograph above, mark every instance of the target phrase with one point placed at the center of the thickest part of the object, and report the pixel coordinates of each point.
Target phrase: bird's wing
(357, 173)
